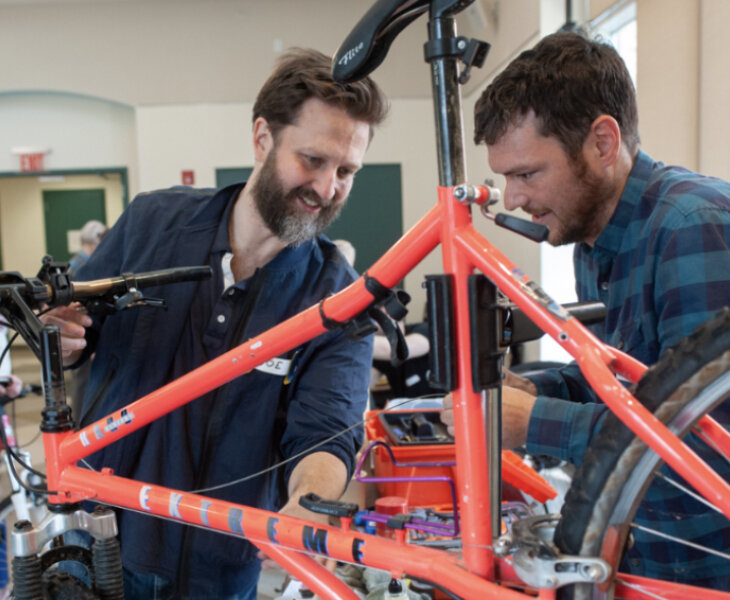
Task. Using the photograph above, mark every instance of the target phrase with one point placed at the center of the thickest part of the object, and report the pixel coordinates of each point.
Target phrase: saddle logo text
(351, 53)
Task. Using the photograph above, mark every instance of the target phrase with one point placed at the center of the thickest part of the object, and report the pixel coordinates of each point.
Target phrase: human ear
(605, 140)
(263, 139)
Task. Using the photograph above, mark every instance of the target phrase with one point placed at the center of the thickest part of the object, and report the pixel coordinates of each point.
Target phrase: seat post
(443, 55)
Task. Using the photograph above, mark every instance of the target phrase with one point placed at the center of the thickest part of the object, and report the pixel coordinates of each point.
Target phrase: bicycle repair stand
(31, 559)
(365, 49)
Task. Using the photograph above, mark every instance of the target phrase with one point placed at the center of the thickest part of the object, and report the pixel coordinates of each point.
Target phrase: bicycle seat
(368, 43)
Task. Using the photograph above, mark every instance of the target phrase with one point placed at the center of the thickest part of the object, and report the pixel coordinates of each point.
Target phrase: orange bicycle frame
(287, 539)
(464, 249)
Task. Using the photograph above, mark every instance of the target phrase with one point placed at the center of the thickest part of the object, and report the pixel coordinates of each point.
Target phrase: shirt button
(231, 292)
(221, 318)
(604, 286)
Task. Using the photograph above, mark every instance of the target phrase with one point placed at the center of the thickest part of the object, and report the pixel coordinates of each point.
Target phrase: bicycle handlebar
(125, 282)
(19, 296)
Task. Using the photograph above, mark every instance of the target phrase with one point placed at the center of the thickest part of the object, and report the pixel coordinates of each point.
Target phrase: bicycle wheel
(621, 483)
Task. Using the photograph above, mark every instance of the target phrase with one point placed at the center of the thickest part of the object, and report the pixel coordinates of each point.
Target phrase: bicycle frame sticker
(124, 419)
(315, 540)
(271, 531)
(112, 425)
(275, 366)
(539, 295)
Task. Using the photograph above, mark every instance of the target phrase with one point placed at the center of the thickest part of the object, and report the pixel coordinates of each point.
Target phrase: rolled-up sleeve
(328, 401)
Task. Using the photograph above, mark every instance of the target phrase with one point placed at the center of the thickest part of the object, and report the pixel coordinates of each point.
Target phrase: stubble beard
(585, 220)
(279, 209)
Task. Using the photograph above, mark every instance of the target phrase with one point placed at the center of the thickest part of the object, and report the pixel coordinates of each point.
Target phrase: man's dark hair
(568, 80)
(301, 74)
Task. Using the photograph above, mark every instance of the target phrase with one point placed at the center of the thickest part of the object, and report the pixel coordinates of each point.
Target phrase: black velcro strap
(361, 325)
(394, 335)
(326, 321)
(395, 304)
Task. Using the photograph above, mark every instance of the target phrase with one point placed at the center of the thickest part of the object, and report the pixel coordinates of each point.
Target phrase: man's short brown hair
(567, 80)
(301, 74)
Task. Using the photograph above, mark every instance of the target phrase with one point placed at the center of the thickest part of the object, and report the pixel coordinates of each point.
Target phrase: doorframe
(121, 171)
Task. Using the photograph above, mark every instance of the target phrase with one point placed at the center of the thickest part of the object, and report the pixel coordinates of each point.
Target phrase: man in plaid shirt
(652, 243)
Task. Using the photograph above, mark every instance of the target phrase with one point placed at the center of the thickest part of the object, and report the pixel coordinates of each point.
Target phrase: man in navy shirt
(262, 240)
(652, 243)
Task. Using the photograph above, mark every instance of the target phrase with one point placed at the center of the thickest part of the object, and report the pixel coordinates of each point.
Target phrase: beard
(278, 208)
(585, 220)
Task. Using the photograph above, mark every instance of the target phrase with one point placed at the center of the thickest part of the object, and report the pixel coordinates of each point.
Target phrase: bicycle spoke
(681, 541)
(689, 492)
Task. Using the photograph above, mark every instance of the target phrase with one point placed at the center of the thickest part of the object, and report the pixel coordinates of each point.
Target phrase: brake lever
(131, 299)
(134, 298)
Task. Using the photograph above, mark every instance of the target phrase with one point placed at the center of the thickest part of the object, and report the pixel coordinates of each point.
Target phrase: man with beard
(262, 241)
(652, 243)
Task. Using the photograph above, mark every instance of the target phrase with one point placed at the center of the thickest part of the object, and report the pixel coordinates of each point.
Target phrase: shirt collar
(609, 240)
(221, 241)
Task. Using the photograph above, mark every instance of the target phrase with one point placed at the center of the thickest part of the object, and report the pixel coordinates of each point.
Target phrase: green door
(66, 211)
(372, 219)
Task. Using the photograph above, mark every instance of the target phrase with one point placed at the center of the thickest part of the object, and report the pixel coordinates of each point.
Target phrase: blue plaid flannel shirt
(661, 266)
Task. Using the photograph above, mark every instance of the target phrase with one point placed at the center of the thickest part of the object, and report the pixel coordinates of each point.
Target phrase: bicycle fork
(35, 548)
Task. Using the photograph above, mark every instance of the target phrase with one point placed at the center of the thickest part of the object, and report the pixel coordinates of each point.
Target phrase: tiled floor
(26, 414)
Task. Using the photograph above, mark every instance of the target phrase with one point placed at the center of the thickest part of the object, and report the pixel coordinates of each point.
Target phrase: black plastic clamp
(335, 508)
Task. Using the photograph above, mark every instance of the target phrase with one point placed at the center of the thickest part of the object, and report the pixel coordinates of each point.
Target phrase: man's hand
(12, 388)
(321, 473)
(72, 321)
(294, 509)
(447, 414)
(509, 379)
(517, 405)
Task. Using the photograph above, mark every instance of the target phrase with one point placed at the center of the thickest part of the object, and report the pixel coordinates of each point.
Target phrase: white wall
(80, 131)
(714, 122)
(668, 76)
(198, 137)
(684, 82)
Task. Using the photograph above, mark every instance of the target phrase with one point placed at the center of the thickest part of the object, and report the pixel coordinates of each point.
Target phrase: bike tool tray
(414, 428)
(402, 466)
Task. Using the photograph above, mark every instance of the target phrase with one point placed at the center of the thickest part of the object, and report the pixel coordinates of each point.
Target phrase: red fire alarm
(188, 177)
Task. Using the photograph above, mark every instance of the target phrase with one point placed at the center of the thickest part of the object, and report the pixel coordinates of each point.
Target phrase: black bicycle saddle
(368, 43)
